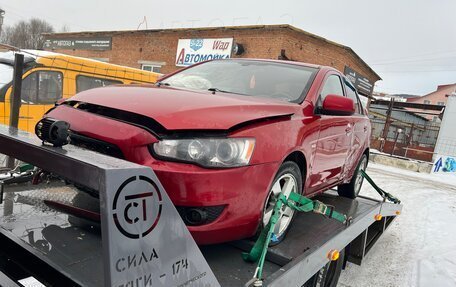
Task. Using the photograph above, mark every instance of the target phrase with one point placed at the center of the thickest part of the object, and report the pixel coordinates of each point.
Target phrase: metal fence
(403, 129)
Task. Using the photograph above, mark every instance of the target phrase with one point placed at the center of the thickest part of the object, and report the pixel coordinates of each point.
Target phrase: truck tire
(351, 189)
(289, 175)
(329, 275)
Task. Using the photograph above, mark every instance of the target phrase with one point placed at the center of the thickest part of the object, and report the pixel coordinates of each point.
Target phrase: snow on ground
(419, 248)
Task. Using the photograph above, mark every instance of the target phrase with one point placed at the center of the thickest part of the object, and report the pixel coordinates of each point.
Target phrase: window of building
(427, 102)
(42, 87)
(440, 103)
(84, 83)
(332, 86)
(105, 60)
(151, 68)
(352, 94)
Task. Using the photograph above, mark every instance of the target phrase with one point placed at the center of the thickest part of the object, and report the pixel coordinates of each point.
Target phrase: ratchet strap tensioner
(296, 202)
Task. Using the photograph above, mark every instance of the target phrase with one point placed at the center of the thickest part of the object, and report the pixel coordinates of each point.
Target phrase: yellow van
(49, 77)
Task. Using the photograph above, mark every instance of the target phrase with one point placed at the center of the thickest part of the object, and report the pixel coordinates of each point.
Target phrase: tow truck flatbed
(56, 248)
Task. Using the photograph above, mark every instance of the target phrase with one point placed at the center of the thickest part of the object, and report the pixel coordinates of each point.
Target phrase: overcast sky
(411, 44)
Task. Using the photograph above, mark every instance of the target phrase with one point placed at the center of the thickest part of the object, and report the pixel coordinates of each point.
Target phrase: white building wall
(446, 141)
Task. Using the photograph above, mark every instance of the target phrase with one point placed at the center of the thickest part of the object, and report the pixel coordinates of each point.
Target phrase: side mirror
(336, 105)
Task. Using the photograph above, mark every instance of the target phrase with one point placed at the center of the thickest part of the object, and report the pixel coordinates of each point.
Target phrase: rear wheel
(288, 179)
(328, 276)
(351, 189)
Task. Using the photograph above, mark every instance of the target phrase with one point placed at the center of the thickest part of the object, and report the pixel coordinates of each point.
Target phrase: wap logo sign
(137, 207)
(192, 51)
(196, 44)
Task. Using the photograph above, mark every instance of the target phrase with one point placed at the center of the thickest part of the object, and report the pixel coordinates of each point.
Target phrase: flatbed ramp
(304, 250)
(57, 248)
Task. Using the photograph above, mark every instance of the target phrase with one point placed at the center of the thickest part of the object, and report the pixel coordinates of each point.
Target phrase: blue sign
(438, 165)
(450, 165)
(196, 44)
(445, 164)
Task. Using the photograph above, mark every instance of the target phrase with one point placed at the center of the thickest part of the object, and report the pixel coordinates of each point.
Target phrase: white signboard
(192, 51)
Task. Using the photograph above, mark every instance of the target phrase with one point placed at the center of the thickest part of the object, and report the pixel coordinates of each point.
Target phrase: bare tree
(65, 29)
(26, 34)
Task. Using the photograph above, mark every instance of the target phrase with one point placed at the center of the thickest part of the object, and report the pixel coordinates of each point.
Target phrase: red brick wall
(260, 42)
(414, 152)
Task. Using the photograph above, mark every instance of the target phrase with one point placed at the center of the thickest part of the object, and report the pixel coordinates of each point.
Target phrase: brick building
(438, 97)
(157, 50)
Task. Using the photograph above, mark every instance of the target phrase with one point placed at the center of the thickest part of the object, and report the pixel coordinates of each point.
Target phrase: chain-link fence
(403, 131)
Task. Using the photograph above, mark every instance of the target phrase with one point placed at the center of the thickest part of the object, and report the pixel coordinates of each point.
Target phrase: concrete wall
(403, 163)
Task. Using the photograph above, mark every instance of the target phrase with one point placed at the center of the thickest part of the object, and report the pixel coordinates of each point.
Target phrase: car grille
(96, 145)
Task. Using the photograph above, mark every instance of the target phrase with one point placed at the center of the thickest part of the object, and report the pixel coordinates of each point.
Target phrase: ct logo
(137, 207)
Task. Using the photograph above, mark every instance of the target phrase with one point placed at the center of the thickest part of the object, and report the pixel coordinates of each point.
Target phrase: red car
(225, 137)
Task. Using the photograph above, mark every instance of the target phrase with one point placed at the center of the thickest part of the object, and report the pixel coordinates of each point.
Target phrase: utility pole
(387, 124)
(2, 16)
(15, 103)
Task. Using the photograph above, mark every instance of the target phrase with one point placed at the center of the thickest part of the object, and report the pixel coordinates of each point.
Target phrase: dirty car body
(217, 133)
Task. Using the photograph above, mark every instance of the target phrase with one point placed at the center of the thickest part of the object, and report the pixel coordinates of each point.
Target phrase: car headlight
(207, 152)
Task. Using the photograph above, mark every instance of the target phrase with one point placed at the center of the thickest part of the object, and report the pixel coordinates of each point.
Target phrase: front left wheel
(288, 179)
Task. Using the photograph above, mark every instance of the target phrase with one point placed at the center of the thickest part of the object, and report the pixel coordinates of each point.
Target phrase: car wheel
(288, 179)
(329, 275)
(351, 189)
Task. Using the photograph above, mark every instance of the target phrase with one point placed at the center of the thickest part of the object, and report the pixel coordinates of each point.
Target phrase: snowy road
(419, 248)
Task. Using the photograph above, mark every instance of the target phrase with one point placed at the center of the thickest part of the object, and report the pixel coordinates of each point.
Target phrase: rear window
(351, 93)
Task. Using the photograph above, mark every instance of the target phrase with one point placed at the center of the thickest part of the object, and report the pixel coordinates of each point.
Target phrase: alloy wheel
(359, 178)
(285, 184)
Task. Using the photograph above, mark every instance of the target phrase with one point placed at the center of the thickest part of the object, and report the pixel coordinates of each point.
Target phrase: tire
(329, 275)
(351, 189)
(287, 179)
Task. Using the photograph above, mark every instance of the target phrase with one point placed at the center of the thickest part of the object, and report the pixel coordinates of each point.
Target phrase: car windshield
(281, 81)
(6, 75)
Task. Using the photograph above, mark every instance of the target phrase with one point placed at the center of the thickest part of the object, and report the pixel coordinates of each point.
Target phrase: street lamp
(398, 132)
(2, 13)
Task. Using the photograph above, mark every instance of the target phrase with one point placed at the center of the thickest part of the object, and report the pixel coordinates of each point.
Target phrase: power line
(418, 71)
(414, 61)
(414, 56)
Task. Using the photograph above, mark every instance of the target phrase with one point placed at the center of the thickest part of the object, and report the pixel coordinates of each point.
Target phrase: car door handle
(348, 129)
(365, 128)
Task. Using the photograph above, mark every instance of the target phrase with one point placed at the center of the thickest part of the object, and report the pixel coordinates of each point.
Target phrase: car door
(333, 141)
(360, 124)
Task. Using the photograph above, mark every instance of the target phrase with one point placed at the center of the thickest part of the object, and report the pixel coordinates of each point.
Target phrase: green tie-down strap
(23, 167)
(296, 202)
(380, 191)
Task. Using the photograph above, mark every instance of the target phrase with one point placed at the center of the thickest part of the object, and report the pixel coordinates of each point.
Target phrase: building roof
(227, 28)
(442, 91)
(90, 66)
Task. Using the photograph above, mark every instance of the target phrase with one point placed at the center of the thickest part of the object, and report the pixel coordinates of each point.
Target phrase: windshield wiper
(214, 90)
(159, 84)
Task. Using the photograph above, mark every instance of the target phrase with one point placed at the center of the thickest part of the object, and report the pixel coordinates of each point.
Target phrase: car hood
(177, 109)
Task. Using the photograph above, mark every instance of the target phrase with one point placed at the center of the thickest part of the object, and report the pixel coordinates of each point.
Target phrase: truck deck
(56, 247)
